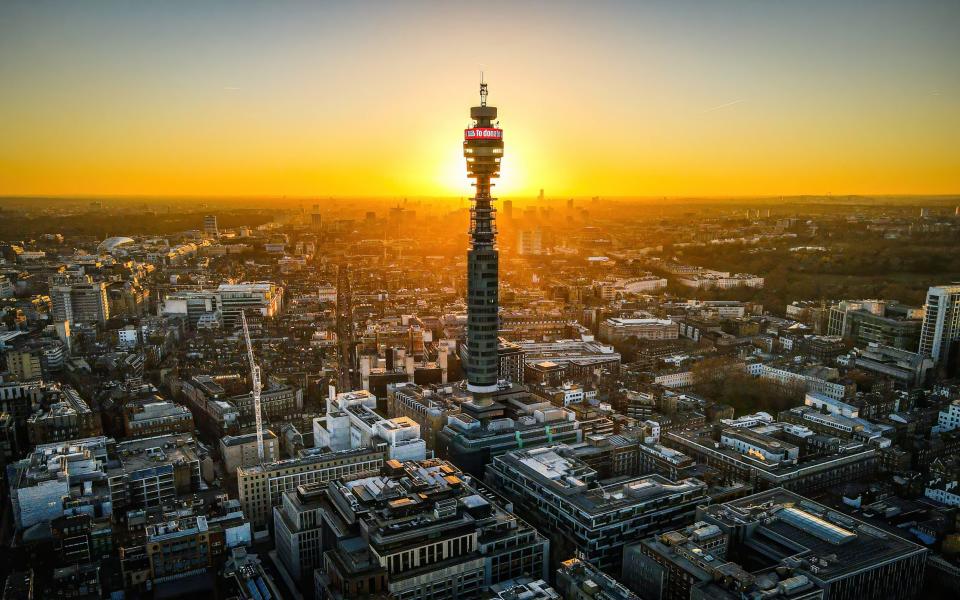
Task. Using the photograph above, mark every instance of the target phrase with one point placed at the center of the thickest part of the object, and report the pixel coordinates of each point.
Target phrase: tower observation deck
(482, 148)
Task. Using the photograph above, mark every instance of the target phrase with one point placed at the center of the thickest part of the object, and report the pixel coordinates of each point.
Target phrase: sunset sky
(710, 98)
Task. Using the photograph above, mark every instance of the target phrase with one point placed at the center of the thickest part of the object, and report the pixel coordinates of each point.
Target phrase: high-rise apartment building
(941, 324)
(80, 303)
(210, 226)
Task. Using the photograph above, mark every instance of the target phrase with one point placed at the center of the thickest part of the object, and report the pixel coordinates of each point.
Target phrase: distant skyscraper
(210, 226)
(941, 323)
(483, 149)
(530, 242)
(508, 209)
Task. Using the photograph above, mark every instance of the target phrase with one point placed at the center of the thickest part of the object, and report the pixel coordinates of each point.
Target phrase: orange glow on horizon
(634, 101)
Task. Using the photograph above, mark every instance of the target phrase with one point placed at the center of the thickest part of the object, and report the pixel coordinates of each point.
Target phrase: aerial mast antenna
(255, 385)
(483, 91)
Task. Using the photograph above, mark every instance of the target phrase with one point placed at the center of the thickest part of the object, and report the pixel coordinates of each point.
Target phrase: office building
(184, 544)
(18, 398)
(949, 419)
(579, 580)
(420, 530)
(906, 369)
(351, 421)
(586, 516)
(480, 432)
(842, 556)
(616, 329)
(278, 401)
(81, 538)
(244, 578)
(66, 417)
(740, 453)
(19, 586)
(155, 416)
(511, 357)
(241, 451)
(524, 588)
(154, 470)
(428, 406)
(208, 400)
(262, 299)
(297, 530)
(261, 487)
(195, 305)
(824, 348)
(876, 322)
(685, 564)
(6, 287)
(102, 476)
(25, 364)
(578, 359)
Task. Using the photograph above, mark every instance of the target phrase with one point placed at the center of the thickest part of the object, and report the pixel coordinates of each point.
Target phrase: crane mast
(255, 385)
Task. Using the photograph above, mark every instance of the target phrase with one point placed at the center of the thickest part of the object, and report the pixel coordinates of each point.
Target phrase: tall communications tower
(345, 345)
(255, 385)
(483, 149)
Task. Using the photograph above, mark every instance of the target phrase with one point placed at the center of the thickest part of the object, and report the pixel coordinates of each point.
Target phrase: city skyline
(489, 301)
(298, 99)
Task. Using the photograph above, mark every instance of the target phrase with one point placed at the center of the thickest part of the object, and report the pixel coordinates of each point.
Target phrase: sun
(452, 176)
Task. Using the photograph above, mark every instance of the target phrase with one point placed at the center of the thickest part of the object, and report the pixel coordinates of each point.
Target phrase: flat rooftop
(790, 526)
(702, 439)
(578, 483)
(146, 453)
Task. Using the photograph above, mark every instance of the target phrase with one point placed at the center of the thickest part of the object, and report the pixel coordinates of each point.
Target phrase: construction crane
(255, 385)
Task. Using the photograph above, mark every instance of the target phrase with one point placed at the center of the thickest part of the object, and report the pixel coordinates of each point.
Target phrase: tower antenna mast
(255, 385)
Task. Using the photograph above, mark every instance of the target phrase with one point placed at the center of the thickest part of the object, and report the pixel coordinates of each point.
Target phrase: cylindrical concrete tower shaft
(483, 148)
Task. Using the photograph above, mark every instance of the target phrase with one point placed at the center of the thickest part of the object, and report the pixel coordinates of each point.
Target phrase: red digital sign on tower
(483, 133)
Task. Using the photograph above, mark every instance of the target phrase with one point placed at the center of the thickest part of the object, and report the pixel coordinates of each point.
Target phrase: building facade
(563, 497)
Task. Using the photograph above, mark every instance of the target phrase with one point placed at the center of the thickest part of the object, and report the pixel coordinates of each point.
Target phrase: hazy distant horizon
(611, 98)
(320, 199)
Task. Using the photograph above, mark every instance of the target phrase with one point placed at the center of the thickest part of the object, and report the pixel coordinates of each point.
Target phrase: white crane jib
(255, 384)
